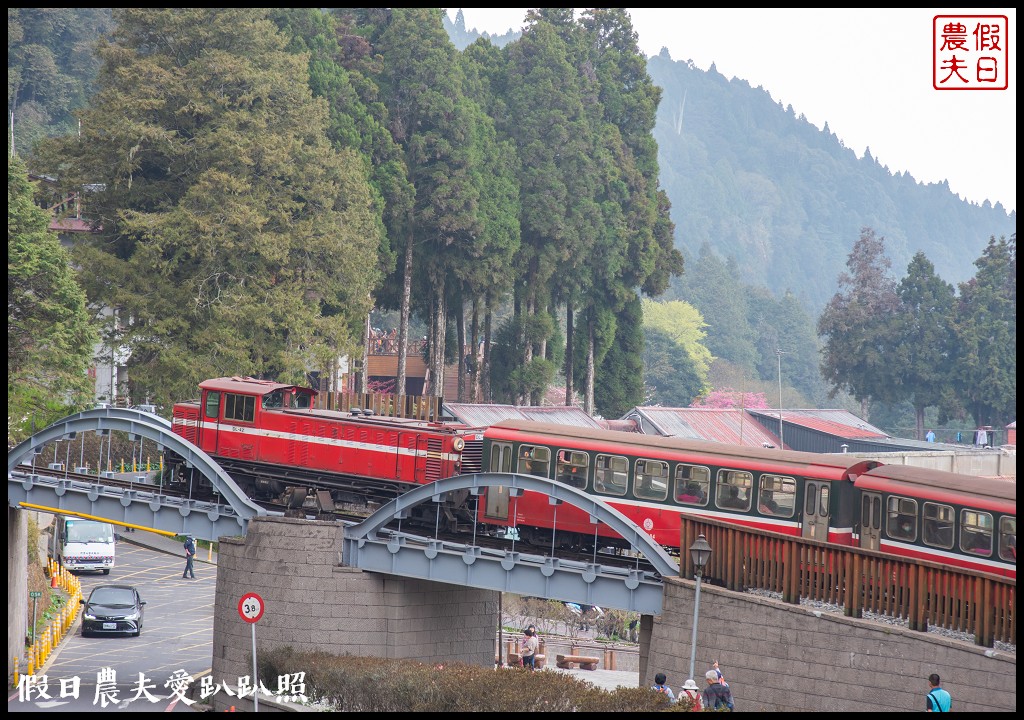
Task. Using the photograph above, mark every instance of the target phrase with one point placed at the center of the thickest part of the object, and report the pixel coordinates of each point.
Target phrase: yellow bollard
(122, 464)
(31, 660)
(17, 663)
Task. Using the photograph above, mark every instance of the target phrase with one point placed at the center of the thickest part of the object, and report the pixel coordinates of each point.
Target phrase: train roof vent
(367, 411)
(355, 411)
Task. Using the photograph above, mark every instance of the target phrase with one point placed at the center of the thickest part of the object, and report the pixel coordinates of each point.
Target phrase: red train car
(953, 519)
(269, 437)
(959, 520)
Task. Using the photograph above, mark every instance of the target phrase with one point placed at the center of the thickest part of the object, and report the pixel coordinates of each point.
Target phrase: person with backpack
(691, 692)
(661, 685)
(937, 700)
(716, 696)
(190, 552)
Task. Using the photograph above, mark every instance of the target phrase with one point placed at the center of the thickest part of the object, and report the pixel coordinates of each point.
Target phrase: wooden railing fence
(418, 407)
(922, 593)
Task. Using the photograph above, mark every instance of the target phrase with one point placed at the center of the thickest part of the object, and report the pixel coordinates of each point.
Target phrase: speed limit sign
(251, 607)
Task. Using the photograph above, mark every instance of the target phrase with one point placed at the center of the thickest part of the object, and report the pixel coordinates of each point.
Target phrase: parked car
(112, 609)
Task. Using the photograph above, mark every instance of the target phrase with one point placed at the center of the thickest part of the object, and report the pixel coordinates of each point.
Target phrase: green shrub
(360, 684)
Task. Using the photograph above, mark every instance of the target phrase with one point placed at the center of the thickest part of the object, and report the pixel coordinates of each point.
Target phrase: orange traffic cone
(53, 580)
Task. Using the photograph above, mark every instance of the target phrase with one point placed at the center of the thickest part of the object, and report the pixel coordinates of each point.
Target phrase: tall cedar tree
(226, 223)
(986, 331)
(856, 324)
(924, 346)
(49, 337)
(432, 120)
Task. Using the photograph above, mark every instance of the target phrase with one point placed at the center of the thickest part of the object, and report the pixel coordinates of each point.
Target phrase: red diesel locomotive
(269, 437)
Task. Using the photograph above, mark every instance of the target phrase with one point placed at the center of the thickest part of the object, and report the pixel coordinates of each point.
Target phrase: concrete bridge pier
(17, 586)
(313, 603)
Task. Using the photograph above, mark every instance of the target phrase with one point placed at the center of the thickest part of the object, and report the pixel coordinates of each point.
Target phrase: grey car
(113, 610)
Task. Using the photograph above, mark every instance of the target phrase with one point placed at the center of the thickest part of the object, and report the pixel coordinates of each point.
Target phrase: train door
(496, 507)
(816, 499)
(411, 458)
(870, 521)
(209, 423)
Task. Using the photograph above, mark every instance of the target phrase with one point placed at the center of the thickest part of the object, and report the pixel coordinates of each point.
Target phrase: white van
(79, 544)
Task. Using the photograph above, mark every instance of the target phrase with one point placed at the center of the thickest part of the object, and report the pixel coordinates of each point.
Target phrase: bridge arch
(151, 427)
(599, 511)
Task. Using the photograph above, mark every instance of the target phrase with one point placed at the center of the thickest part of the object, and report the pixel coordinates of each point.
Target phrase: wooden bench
(538, 661)
(568, 662)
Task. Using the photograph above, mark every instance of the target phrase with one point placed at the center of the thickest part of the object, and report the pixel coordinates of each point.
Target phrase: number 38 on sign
(250, 607)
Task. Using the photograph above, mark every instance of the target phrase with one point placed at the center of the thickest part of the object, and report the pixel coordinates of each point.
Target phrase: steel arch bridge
(369, 546)
(126, 506)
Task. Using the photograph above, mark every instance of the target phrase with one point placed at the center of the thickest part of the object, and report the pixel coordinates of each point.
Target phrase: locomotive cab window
(212, 404)
(976, 532)
(1008, 538)
(937, 523)
(571, 468)
(777, 496)
(534, 460)
(239, 407)
(610, 473)
(651, 480)
(734, 489)
(692, 484)
(273, 400)
(901, 519)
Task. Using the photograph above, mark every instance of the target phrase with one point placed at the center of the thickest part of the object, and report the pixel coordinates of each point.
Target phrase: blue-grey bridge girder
(369, 546)
(205, 520)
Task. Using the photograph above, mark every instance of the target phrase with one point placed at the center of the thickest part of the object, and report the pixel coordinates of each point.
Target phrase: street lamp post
(700, 553)
(782, 443)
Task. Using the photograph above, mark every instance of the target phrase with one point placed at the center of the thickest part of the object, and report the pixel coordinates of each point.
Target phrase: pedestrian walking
(190, 553)
(691, 692)
(937, 700)
(661, 685)
(716, 696)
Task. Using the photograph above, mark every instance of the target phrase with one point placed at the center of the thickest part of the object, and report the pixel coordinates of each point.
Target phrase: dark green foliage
(360, 684)
(619, 385)
(49, 334)
(234, 239)
(671, 377)
(986, 332)
(51, 68)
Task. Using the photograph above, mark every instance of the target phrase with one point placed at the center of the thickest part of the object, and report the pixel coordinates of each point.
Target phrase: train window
(901, 523)
(273, 400)
(693, 483)
(239, 407)
(976, 532)
(534, 460)
(212, 404)
(1008, 539)
(651, 480)
(823, 509)
(301, 400)
(501, 458)
(777, 496)
(937, 523)
(610, 473)
(734, 489)
(811, 500)
(571, 467)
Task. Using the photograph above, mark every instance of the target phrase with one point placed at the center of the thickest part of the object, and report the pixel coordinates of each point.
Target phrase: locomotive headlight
(458, 444)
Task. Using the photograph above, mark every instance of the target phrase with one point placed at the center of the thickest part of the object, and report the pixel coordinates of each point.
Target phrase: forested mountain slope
(758, 183)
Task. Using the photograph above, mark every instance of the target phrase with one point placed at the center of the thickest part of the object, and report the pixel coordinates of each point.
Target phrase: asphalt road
(176, 642)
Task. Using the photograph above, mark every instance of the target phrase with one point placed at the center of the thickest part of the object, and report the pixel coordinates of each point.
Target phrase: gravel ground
(888, 620)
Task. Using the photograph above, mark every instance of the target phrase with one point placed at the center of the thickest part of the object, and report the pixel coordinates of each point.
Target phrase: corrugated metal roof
(730, 425)
(475, 415)
(840, 423)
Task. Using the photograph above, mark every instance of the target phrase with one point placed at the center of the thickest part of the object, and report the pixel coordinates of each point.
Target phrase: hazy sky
(868, 73)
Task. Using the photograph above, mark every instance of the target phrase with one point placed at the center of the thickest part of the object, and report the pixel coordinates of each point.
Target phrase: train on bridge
(278, 446)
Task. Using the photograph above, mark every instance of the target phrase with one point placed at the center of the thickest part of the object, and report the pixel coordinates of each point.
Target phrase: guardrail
(418, 407)
(922, 593)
